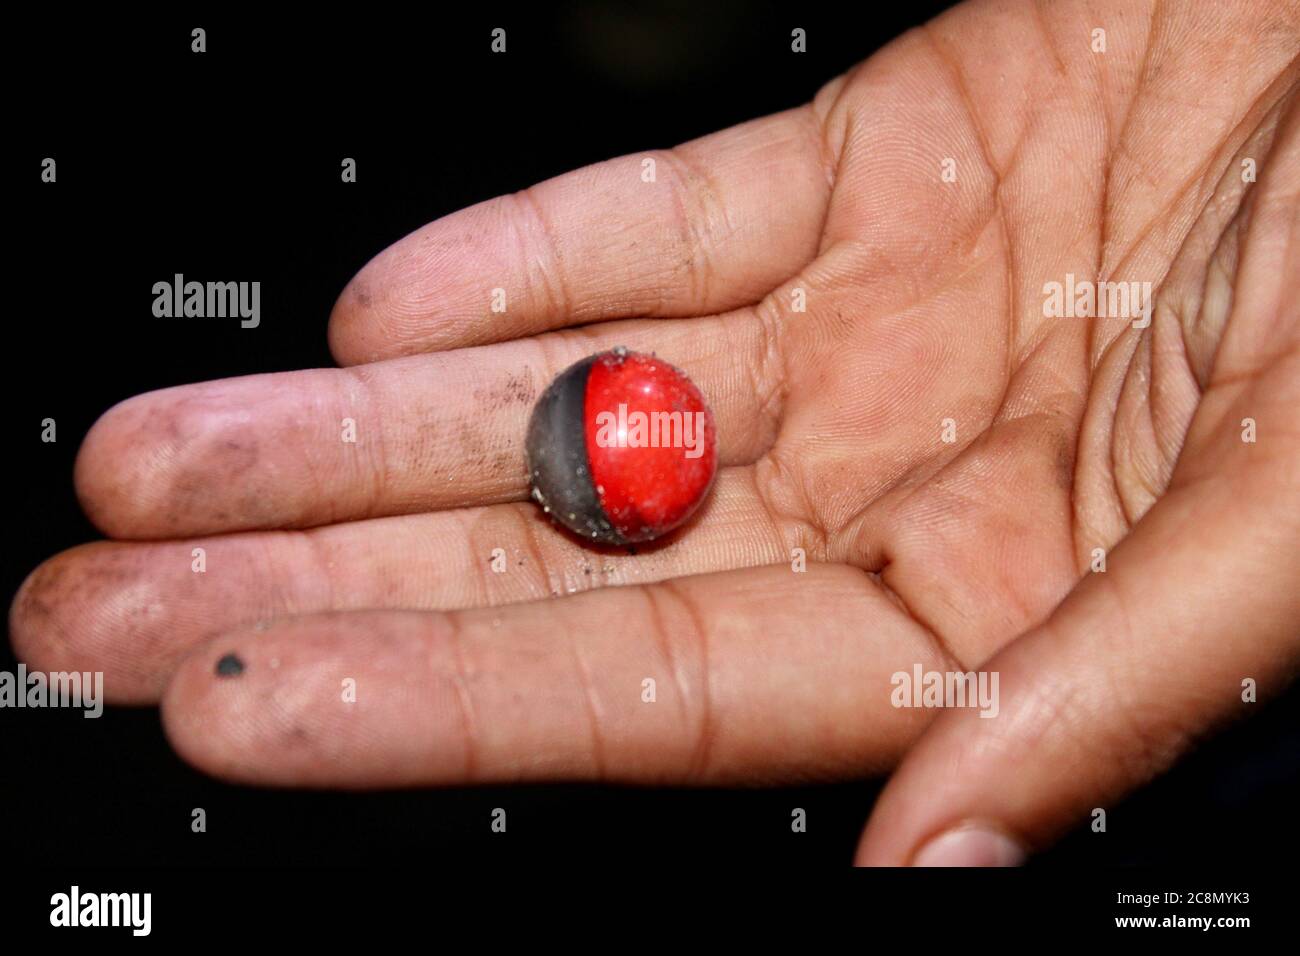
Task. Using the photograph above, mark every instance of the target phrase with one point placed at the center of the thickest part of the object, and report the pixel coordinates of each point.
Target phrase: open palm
(858, 288)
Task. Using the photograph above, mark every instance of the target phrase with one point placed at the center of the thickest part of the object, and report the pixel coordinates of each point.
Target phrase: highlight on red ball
(622, 448)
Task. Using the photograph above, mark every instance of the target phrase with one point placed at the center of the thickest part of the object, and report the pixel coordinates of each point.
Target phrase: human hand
(328, 561)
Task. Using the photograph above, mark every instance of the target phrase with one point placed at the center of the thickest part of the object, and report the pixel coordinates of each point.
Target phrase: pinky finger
(735, 676)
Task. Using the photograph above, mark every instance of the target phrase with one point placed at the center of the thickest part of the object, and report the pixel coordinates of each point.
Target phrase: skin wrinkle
(474, 558)
(859, 248)
(1164, 459)
(1147, 335)
(558, 298)
(1186, 326)
(709, 198)
(362, 380)
(819, 133)
(1143, 477)
(701, 755)
(772, 386)
(1232, 234)
(1108, 438)
(660, 634)
(472, 735)
(1204, 206)
(1048, 45)
(836, 124)
(1198, 176)
(1245, 376)
(1131, 477)
(999, 210)
(695, 204)
(1175, 316)
(1121, 379)
(1231, 224)
(998, 419)
(951, 660)
(803, 519)
(592, 704)
(782, 534)
(1107, 166)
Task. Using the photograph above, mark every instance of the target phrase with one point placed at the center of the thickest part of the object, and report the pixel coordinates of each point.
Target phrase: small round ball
(622, 448)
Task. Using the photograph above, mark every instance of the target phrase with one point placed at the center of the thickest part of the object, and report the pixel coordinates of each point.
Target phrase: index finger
(711, 225)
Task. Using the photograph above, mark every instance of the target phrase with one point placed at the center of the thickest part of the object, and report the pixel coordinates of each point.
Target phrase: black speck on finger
(230, 666)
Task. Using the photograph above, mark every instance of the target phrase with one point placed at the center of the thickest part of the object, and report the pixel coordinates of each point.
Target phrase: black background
(227, 164)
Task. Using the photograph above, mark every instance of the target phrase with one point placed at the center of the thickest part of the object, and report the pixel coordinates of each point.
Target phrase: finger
(133, 610)
(1135, 665)
(756, 674)
(300, 449)
(706, 227)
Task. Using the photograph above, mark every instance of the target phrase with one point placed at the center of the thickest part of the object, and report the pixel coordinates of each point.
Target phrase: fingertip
(972, 844)
(215, 714)
(272, 705)
(153, 465)
(72, 614)
(193, 708)
(353, 312)
(408, 299)
(29, 618)
(190, 459)
(108, 470)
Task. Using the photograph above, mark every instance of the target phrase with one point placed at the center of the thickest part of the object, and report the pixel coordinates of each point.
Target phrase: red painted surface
(648, 479)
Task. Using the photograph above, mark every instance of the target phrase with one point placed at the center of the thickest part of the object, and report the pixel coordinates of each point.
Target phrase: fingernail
(970, 845)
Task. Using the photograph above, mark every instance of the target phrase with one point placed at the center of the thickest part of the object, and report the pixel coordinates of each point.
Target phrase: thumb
(1135, 664)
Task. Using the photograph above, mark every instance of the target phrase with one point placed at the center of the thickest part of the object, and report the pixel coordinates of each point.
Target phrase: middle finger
(445, 430)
